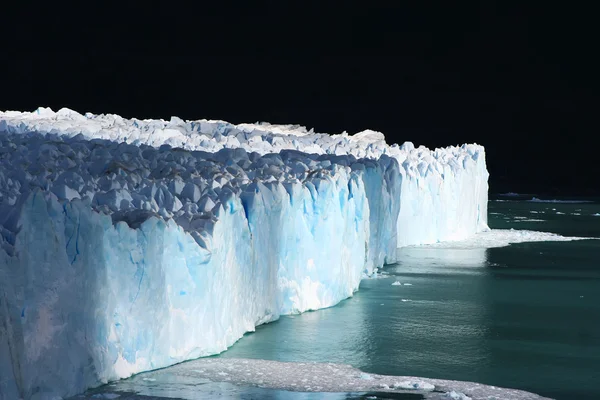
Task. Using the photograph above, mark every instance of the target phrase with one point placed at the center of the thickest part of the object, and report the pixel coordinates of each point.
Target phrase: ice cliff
(129, 245)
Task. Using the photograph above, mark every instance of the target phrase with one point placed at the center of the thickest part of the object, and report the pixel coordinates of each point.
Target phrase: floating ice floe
(536, 200)
(304, 376)
(504, 237)
(456, 396)
(510, 194)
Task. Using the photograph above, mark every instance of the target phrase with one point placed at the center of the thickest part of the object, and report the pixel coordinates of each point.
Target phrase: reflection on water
(342, 332)
(440, 332)
(430, 258)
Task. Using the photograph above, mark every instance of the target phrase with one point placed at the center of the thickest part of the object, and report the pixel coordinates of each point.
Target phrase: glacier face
(121, 254)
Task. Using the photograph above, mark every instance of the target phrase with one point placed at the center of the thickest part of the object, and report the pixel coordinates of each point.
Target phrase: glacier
(129, 245)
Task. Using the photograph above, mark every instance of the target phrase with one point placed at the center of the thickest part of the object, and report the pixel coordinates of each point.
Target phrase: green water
(525, 316)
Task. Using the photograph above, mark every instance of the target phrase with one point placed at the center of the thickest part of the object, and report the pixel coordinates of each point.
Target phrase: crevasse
(120, 257)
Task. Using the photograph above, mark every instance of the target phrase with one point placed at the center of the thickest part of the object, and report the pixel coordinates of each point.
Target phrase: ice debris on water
(314, 377)
(417, 385)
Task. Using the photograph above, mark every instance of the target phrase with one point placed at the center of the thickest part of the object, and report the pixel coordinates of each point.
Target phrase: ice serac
(121, 254)
(444, 194)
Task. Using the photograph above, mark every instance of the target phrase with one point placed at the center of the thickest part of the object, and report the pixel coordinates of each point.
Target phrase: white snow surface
(131, 245)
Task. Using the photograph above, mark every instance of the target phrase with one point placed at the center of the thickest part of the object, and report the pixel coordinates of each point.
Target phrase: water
(525, 316)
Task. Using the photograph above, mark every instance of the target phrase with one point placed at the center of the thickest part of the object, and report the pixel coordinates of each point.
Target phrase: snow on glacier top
(213, 135)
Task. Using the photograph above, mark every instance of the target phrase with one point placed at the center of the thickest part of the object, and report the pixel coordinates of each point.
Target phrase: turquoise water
(526, 316)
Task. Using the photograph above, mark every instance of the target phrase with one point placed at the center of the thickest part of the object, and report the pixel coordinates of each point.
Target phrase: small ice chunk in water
(408, 284)
(416, 385)
(456, 396)
(397, 283)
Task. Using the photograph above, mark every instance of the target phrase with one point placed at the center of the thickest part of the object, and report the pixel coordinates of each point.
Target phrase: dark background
(521, 80)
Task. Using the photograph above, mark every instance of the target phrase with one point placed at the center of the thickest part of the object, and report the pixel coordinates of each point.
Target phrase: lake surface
(526, 316)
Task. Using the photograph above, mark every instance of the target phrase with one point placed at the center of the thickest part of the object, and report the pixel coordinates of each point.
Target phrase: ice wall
(119, 258)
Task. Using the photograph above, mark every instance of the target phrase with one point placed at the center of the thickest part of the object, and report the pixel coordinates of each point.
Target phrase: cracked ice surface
(301, 376)
(120, 254)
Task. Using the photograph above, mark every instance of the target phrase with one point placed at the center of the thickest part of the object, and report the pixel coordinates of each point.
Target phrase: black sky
(521, 80)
